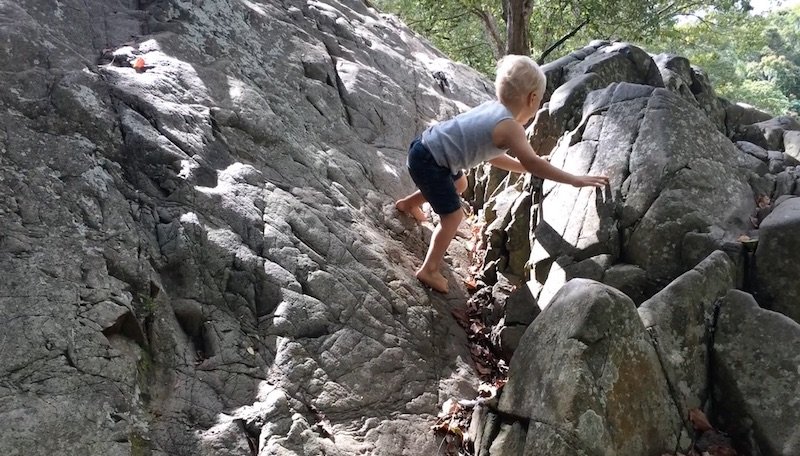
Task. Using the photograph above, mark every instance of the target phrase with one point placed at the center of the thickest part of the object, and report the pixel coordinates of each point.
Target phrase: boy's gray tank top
(466, 139)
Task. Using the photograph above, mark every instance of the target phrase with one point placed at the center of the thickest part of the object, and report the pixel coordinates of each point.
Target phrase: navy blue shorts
(436, 182)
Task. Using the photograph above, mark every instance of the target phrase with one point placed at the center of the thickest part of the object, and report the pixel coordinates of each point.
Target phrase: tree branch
(490, 27)
(443, 19)
(561, 41)
(472, 46)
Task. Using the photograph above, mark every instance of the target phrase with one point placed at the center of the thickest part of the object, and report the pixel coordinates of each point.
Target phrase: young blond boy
(484, 133)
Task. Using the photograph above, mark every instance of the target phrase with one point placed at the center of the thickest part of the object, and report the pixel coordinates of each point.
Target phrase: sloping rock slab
(676, 319)
(757, 385)
(776, 259)
(588, 381)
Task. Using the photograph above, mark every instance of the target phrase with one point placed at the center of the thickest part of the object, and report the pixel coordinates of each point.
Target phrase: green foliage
(759, 93)
(778, 70)
(451, 26)
(625, 20)
(783, 33)
(145, 369)
(474, 31)
(148, 304)
(750, 59)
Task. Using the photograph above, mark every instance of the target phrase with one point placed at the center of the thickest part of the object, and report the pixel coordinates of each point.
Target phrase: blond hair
(517, 76)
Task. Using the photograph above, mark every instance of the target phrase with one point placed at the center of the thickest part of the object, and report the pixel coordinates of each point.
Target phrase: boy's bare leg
(429, 272)
(461, 184)
(411, 205)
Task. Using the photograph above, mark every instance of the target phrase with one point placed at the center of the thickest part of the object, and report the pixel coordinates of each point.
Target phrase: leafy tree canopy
(478, 32)
(750, 58)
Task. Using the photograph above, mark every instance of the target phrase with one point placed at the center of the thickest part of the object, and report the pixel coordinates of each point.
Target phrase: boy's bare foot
(434, 280)
(410, 209)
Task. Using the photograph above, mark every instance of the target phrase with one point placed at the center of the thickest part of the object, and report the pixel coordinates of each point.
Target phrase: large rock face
(776, 259)
(758, 388)
(700, 202)
(198, 258)
(663, 157)
(201, 256)
(590, 385)
(677, 319)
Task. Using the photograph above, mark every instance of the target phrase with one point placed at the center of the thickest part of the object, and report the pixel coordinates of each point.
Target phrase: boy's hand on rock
(590, 181)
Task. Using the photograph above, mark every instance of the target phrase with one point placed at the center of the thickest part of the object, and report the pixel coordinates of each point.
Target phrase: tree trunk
(517, 15)
(490, 29)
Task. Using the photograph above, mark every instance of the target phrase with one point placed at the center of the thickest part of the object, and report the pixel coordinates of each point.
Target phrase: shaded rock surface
(758, 387)
(776, 259)
(591, 384)
(660, 167)
(201, 256)
(677, 319)
(700, 201)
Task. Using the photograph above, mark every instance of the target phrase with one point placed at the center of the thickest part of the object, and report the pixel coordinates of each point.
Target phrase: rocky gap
(665, 372)
(342, 91)
(711, 329)
(251, 433)
(157, 125)
(128, 327)
(629, 154)
(749, 266)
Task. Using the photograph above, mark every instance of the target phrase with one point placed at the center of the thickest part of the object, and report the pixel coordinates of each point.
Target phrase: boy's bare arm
(508, 163)
(511, 135)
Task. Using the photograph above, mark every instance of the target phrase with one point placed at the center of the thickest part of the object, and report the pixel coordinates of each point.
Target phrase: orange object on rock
(138, 64)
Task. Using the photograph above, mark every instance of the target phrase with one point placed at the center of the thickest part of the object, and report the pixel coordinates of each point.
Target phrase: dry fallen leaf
(482, 370)
(449, 407)
(471, 284)
(699, 420)
(456, 430)
(325, 429)
(477, 327)
(721, 450)
(323, 425)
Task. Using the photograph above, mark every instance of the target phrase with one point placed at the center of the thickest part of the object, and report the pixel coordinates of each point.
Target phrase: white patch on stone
(98, 178)
(124, 51)
(86, 97)
(187, 166)
(236, 90)
(58, 13)
(149, 46)
(241, 173)
(255, 7)
(190, 217)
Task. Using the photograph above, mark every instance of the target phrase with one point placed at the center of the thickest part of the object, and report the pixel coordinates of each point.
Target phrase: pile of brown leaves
(489, 365)
(454, 420)
(453, 425)
(475, 250)
(708, 440)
